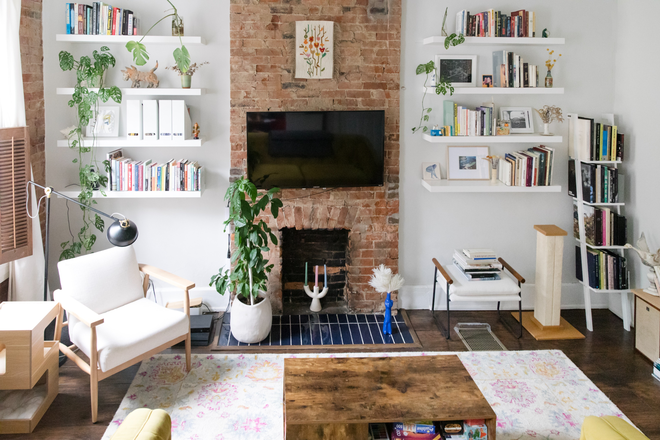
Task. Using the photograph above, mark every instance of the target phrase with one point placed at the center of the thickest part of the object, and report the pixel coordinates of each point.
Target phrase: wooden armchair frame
(449, 281)
(92, 319)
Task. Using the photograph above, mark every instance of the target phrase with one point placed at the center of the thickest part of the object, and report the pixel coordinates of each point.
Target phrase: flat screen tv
(316, 149)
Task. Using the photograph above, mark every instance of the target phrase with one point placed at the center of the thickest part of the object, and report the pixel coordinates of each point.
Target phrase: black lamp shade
(122, 233)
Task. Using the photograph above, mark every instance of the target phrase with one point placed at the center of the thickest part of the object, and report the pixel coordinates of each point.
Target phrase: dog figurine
(136, 76)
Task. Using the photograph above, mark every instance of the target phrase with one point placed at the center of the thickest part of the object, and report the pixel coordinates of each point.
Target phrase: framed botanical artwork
(459, 70)
(520, 119)
(107, 122)
(467, 163)
(431, 171)
(314, 49)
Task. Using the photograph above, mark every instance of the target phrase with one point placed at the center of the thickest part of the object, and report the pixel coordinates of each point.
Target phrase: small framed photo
(466, 163)
(431, 171)
(459, 70)
(520, 119)
(486, 80)
(107, 122)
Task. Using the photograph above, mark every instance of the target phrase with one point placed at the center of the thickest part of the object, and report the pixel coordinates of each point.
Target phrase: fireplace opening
(314, 247)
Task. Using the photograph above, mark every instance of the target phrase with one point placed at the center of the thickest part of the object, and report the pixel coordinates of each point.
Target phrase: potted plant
(251, 313)
(186, 77)
(89, 72)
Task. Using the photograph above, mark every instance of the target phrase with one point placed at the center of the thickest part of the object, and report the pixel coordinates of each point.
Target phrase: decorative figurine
(545, 33)
(385, 282)
(137, 76)
(316, 295)
(195, 131)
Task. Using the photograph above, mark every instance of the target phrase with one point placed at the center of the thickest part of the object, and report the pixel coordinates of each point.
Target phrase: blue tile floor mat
(325, 329)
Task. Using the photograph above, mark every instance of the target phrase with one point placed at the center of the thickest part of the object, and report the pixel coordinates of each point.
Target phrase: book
(425, 427)
(480, 254)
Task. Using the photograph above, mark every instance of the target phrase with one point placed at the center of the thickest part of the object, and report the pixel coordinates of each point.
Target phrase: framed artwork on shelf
(431, 171)
(466, 163)
(108, 122)
(486, 80)
(459, 70)
(520, 119)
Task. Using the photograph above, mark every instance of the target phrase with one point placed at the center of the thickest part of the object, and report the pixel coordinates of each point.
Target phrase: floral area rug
(535, 394)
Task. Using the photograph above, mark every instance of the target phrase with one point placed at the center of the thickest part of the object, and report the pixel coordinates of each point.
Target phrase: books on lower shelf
(429, 430)
(531, 167)
(600, 183)
(462, 121)
(127, 174)
(478, 264)
(99, 19)
(511, 70)
(596, 141)
(602, 226)
(607, 270)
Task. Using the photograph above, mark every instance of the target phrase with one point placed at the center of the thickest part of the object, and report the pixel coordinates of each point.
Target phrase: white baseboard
(419, 297)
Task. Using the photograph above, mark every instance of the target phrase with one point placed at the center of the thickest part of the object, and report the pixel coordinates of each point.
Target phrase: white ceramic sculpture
(316, 297)
(649, 259)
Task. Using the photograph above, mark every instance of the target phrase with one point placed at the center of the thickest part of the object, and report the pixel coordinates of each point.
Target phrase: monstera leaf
(139, 51)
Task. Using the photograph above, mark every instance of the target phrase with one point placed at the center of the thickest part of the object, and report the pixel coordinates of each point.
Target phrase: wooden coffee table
(337, 398)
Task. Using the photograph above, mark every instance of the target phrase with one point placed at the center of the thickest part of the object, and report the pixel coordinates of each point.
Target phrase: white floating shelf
(604, 290)
(601, 204)
(602, 247)
(143, 91)
(125, 142)
(139, 194)
(499, 41)
(482, 186)
(149, 39)
(602, 162)
(502, 90)
(509, 139)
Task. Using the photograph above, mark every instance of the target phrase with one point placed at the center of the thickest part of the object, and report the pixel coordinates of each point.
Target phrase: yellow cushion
(145, 424)
(609, 428)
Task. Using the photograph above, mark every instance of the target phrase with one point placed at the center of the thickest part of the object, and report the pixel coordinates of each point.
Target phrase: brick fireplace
(366, 77)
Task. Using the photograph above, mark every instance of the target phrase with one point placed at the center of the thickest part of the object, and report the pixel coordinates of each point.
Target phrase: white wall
(433, 225)
(182, 236)
(636, 97)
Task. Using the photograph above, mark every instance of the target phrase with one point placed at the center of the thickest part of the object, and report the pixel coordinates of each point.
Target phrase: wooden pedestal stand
(545, 322)
(29, 366)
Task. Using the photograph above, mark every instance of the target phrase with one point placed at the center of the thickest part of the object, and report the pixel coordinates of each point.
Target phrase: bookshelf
(139, 194)
(122, 142)
(584, 246)
(499, 41)
(140, 91)
(502, 90)
(123, 39)
(509, 139)
(483, 186)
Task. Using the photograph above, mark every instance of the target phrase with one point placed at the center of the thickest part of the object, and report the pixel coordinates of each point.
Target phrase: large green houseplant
(251, 313)
(89, 72)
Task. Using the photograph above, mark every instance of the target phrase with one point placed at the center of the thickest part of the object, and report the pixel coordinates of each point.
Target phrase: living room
(332, 229)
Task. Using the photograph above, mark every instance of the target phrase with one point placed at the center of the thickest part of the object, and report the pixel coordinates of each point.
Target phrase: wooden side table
(647, 324)
(29, 366)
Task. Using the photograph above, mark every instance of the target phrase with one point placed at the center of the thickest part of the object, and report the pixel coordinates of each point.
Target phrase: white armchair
(109, 318)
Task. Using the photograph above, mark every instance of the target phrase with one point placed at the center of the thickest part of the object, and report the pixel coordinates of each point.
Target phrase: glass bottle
(548, 79)
(177, 26)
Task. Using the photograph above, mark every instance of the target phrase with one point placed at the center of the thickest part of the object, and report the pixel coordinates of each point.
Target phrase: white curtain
(26, 274)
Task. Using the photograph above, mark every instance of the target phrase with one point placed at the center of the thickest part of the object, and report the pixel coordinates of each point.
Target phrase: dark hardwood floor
(607, 356)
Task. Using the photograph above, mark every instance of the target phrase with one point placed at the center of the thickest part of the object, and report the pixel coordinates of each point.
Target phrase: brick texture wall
(367, 48)
(32, 60)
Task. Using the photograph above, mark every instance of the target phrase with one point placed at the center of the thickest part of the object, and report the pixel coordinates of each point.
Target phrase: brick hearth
(366, 77)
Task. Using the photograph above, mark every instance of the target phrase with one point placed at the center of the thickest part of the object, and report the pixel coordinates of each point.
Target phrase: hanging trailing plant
(442, 86)
(181, 55)
(89, 72)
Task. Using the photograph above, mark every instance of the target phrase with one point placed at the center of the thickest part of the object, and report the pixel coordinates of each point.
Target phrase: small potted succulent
(186, 75)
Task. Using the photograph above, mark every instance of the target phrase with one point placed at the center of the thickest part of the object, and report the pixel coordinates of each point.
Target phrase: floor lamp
(122, 232)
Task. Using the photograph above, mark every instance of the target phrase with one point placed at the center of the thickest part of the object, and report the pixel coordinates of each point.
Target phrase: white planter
(250, 324)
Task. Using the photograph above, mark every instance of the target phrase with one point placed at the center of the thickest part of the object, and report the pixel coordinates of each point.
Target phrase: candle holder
(316, 297)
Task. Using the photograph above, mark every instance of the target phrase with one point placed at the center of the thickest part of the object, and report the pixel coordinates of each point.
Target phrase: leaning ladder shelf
(587, 289)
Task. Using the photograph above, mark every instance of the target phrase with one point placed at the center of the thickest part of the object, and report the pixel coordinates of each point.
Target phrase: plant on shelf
(442, 85)
(548, 114)
(181, 55)
(89, 71)
(251, 312)
(186, 77)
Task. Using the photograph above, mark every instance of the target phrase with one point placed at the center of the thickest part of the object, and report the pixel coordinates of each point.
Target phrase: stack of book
(607, 270)
(174, 175)
(602, 227)
(595, 141)
(510, 70)
(600, 183)
(492, 23)
(531, 167)
(414, 431)
(462, 121)
(99, 19)
(478, 264)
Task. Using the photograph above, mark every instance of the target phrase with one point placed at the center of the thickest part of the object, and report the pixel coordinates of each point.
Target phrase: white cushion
(103, 280)
(505, 288)
(130, 331)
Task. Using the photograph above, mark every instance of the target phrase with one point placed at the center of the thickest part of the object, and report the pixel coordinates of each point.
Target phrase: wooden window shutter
(15, 224)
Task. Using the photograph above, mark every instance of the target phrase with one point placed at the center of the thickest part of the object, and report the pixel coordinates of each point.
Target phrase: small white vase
(251, 324)
(546, 130)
